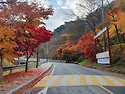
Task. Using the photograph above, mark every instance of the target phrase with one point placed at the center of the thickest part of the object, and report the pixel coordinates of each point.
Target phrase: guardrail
(11, 68)
(59, 61)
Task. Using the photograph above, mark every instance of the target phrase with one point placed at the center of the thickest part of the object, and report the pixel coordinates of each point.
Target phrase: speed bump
(78, 80)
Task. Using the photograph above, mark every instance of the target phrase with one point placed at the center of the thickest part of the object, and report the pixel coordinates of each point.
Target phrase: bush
(80, 59)
(116, 54)
(86, 62)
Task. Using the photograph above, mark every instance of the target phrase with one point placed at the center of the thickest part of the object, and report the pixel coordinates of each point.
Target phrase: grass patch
(6, 63)
(117, 68)
(85, 62)
(113, 68)
(17, 70)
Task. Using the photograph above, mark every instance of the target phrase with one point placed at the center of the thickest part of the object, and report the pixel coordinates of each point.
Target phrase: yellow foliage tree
(66, 35)
(6, 46)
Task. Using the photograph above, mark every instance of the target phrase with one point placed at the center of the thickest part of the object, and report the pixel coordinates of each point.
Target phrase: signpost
(105, 57)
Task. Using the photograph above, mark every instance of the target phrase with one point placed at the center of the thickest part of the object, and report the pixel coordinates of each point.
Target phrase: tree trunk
(1, 68)
(117, 35)
(27, 58)
(37, 62)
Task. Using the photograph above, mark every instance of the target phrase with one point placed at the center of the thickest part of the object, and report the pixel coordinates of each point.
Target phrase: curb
(21, 86)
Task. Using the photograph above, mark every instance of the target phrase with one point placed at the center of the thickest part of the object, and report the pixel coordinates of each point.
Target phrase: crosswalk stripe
(57, 81)
(95, 80)
(70, 80)
(64, 80)
(122, 79)
(82, 80)
(77, 80)
(102, 81)
(43, 82)
(50, 82)
(119, 80)
(88, 79)
(113, 80)
(108, 81)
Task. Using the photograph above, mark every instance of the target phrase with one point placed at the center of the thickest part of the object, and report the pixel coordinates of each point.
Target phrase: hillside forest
(74, 41)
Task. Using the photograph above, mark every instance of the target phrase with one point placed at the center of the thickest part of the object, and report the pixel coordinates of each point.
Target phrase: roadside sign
(103, 58)
(100, 32)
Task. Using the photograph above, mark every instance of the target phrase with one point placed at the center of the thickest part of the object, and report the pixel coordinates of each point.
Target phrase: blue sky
(57, 3)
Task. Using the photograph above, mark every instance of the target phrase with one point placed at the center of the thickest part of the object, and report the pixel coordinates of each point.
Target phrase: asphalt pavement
(75, 79)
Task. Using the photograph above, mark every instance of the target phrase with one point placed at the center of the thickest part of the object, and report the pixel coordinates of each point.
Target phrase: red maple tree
(27, 42)
(87, 44)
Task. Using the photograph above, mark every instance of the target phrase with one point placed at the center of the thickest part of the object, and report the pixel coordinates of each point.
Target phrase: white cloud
(59, 2)
(57, 19)
(63, 8)
(61, 14)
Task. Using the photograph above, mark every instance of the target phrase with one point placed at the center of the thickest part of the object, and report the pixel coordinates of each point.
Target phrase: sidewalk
(15, 81)
(45, 66)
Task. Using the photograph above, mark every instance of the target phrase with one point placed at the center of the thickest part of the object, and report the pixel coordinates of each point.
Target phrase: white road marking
(113, 80)
(88, 79)
(76, 80)
(44, 91)
(50, 82)
(64, 80)
(102, 81)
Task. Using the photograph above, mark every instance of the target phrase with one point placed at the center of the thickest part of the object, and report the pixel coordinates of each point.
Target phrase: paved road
(75, 79)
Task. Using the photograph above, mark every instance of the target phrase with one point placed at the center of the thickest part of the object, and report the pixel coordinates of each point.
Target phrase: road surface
(75, 79)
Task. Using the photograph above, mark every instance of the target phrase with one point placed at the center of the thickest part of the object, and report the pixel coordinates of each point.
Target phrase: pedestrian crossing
(78, 80)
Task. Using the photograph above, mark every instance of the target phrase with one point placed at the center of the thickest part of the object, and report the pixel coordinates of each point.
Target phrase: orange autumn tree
(111, 19)
(6, 47)
(121, 22)
(18, 15)
(115, 20)
(58, 52)
(68, 51)
(6, 42)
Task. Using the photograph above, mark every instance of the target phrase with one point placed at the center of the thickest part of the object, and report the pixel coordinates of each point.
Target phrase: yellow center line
(107, 90)
(76, 71)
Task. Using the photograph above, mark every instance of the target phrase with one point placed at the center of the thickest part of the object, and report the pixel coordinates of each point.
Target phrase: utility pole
(47, 53)
(104, 40)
